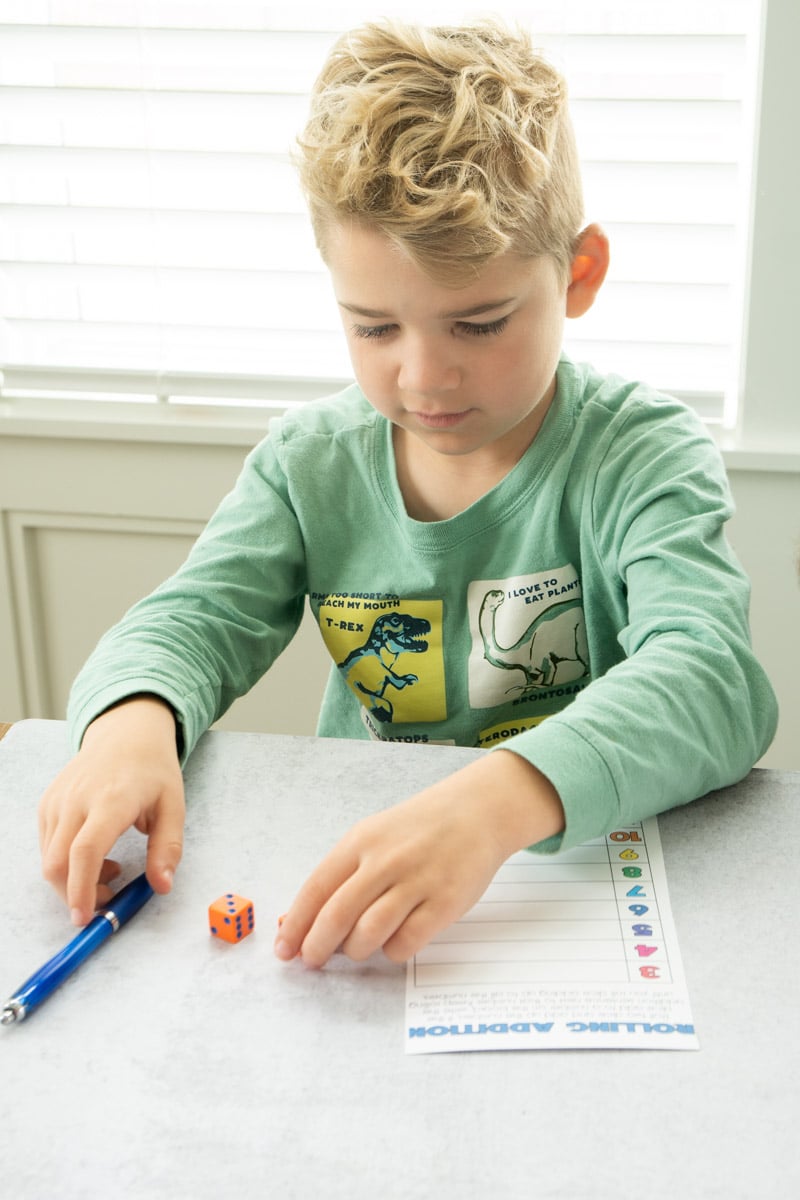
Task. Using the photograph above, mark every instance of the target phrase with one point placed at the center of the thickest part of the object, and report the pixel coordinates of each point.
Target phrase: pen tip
(8, 1016)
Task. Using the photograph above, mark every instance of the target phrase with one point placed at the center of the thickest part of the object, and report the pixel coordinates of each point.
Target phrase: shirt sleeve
(207, 634)
(688, 709)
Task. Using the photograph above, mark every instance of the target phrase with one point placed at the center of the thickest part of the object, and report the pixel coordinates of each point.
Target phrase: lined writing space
(524, 952)
(469, 934)
(463, 974)
(558, 890)
(578, 940)
(555, 909)
(541, 920)
(581, 875)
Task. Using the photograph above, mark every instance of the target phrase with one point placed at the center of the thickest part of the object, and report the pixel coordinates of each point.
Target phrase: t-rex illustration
(369, 669)
(546, 673)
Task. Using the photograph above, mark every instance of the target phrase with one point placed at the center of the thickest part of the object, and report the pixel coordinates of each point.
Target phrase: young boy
(488, 534)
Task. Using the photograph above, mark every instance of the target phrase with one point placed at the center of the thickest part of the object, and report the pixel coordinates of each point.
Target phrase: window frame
(768, 425)
(767, 430)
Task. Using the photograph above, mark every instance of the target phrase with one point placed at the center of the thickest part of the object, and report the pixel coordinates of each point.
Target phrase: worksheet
(576, 949)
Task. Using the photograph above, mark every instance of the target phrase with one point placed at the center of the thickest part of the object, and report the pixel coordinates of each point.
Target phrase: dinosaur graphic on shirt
(543, 672)
(370, 669)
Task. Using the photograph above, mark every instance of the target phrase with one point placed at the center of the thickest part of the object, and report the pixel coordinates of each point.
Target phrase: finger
(46, 824)
(49, 817)
(336, 920)
(56, 837)
(309, 903)
(87, 856)
(378, 924)
(419, 927)
(57, 840)
(165, 842)
(324, 911)
(109, 871)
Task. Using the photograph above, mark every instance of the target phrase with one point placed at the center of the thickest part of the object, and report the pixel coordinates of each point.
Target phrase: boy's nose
(424, 371)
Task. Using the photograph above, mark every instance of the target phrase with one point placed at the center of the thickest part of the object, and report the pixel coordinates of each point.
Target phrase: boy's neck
(436, 487)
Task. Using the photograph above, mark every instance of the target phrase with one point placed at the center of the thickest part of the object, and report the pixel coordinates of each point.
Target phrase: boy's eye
(467, 327)
(483, 330)
(371, 331)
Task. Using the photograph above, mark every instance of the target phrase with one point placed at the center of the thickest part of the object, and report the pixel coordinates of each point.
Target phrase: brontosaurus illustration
(369, 669)
(546, 673)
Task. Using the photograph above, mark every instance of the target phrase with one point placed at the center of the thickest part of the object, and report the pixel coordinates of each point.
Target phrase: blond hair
(456, 143)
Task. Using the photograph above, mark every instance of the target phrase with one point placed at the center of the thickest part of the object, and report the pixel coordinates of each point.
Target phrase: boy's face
(466, 371)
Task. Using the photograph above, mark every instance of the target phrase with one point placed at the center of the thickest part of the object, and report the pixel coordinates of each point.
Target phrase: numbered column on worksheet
(637, 905)
(588, 915)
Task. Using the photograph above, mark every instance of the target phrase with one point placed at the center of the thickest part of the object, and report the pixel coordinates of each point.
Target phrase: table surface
(173, 1065)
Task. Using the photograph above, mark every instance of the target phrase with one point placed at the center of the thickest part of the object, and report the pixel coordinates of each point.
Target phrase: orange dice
(231, 917)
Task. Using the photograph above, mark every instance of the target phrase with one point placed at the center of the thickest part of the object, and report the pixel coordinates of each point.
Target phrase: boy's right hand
(127, 773)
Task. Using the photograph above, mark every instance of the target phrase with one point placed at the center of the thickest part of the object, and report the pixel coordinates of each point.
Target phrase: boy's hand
(400, 876)
(126, 773)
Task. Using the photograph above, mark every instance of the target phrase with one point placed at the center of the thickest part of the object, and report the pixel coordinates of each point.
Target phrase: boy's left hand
(399, 876)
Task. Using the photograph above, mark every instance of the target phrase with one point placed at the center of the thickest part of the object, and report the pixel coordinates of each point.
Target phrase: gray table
(172, 1065)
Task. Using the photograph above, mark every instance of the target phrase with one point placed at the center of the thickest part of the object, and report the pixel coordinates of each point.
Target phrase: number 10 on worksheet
(569, 950)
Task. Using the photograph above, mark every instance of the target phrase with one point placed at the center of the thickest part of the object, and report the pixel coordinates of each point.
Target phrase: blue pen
(125, 905)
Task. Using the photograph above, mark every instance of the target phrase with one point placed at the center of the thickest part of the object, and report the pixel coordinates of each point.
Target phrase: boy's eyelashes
(371, 331)
(489, 327)
(466, 327)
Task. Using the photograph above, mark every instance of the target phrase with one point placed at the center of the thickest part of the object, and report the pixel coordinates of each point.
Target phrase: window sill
(754, 454)
(120, 421)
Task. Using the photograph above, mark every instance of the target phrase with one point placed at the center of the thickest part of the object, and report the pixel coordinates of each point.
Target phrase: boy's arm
(126, 774)
(208, 633)
(689, 709)
(160, 677)
(401, 875)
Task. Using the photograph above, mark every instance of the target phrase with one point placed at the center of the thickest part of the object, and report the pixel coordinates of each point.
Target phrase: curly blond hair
(456, 143)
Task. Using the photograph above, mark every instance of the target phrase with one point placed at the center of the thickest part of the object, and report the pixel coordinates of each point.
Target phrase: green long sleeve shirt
(587, 613)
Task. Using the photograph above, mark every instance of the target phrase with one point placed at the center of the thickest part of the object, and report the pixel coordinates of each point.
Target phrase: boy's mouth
(441, 420)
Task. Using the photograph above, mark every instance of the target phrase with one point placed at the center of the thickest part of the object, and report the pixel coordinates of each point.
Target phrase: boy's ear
(589, 268)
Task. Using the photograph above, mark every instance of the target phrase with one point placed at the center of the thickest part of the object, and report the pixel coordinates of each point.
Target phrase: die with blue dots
(231, 917)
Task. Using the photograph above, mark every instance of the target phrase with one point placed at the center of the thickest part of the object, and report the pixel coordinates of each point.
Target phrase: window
(154, 242)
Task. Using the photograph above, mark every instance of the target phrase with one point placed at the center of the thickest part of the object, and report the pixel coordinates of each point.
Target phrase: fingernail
(283, 949)
(76, 916)
(168, 875)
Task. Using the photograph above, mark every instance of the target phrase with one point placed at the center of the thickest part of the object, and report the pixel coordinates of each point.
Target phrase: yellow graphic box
(390, 655)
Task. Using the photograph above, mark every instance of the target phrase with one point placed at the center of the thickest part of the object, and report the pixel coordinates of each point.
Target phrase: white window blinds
(153, 240)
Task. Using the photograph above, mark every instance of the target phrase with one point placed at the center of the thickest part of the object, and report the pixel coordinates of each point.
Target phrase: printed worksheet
(562, 951)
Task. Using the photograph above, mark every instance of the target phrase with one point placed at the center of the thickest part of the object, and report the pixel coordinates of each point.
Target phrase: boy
(489, 535)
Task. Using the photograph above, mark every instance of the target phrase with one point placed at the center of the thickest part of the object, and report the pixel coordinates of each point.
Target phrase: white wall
(89, 522)
(87, 526)
(765, 534)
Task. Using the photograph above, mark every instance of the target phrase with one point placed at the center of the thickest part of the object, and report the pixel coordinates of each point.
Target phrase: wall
(89, 522)
(765, 533)
(87, 525)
